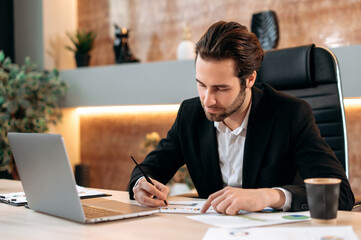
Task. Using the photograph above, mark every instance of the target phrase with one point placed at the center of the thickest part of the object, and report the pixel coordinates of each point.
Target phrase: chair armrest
(357, 205)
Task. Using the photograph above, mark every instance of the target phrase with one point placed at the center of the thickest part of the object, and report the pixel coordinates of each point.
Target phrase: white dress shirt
(231, 153)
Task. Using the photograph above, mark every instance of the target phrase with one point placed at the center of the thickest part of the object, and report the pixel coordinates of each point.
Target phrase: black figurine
(121, 48)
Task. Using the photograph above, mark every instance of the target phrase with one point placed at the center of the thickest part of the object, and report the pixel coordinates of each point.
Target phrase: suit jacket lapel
(258, 132)
(209, 156)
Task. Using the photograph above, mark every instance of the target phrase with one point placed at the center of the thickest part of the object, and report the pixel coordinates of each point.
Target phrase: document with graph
(268, 216)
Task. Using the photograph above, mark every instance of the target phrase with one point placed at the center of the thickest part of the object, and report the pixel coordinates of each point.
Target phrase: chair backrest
(311, 73)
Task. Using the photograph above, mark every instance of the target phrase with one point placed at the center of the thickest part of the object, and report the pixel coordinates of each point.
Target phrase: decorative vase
(82, 59)
(265, 26)
(121, 49)
(185, 48)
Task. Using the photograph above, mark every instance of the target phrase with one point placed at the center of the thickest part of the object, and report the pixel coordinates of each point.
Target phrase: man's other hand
(231, 200)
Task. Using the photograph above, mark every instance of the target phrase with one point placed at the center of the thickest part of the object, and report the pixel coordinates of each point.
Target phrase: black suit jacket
(283, 146)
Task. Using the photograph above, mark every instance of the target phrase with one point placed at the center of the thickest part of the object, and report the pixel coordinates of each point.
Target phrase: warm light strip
(128, 109)
(352, 101)
(160, 108)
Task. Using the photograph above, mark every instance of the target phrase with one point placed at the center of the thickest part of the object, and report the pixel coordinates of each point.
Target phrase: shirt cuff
(136, 183)
(288, 195)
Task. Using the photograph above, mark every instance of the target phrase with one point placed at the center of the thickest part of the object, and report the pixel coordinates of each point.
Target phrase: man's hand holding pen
(144, 193)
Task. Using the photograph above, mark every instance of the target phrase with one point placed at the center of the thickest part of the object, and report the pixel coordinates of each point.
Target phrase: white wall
(59, 17)
(28, 31)
(40, 27)
(70, 130)
(349, 59)
(40, 33)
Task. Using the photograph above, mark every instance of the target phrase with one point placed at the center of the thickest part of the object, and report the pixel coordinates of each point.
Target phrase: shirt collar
(224, 129)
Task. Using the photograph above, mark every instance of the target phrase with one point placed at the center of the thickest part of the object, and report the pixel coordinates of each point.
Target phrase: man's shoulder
(278, 102)
(191, 104)
(191, 108)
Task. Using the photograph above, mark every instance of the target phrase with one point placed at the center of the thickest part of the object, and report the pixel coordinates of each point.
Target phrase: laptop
(49, 183)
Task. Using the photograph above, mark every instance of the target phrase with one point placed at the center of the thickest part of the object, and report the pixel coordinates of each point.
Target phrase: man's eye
(222, 89)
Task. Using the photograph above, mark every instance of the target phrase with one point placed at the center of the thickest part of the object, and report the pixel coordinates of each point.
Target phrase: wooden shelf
(130, 84)
(168, 82)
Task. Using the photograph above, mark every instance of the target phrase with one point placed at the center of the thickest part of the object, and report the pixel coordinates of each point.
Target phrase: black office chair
(311, 73)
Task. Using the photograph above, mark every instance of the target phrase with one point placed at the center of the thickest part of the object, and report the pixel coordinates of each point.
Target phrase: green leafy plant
(82, 41)
(28, 102)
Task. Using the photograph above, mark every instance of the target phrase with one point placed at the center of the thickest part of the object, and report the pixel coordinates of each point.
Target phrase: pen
(145, 175)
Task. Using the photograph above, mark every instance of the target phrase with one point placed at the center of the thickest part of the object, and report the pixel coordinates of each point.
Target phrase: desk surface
(19, 222)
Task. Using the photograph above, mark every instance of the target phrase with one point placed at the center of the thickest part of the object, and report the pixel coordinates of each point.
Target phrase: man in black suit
(246, 146)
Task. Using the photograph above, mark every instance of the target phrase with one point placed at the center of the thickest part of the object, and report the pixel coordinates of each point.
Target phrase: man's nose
(209, 99)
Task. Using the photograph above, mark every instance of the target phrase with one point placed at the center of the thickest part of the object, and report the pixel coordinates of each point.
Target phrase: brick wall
(157, 25)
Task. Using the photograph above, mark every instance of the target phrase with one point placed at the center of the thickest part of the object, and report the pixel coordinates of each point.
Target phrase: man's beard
(228, 111)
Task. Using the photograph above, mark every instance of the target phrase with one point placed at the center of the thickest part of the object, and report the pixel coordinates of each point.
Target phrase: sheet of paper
(19, 198)
(85, 192)
(283, 233)
(251, 219)
(16, 198)
(184, 207)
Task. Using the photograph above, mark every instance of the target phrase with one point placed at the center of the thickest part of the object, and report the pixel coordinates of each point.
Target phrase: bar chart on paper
(251, 219)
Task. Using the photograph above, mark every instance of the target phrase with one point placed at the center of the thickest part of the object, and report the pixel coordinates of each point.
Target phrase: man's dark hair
(231, 40)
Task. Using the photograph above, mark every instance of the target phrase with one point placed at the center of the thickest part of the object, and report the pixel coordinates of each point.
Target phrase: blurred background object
(83, 44)
(185, 48)
(121, 49)
(265, 26)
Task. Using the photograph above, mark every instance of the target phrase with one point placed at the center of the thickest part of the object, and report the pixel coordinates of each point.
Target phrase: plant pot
(13, 174)
(82, 175)
(82, 59)
(5, 175)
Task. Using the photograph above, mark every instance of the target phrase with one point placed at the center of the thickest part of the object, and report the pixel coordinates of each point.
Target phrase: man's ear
(251, 80)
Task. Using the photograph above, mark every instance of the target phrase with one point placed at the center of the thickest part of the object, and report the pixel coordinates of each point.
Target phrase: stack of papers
(246, 225)
(19, 198)
(283, 233)
(184, 207)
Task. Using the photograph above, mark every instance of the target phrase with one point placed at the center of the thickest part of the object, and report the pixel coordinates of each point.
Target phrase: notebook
(49, 183)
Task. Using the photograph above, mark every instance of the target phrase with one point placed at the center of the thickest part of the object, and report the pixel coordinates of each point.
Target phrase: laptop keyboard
(94, 212)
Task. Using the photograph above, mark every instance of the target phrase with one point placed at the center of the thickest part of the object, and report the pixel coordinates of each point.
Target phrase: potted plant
(83, 44)
(28, 103)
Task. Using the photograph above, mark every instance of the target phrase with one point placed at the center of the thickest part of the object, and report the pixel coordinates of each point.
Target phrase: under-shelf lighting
(352, 102)
(128, 109)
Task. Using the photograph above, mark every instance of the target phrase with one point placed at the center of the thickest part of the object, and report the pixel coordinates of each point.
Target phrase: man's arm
(162, 163)
(314, 158)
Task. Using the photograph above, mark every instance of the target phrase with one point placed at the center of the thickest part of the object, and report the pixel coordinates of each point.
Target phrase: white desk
(22, 223)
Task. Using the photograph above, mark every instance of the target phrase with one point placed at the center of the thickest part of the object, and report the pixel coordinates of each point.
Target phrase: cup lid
(322, 180)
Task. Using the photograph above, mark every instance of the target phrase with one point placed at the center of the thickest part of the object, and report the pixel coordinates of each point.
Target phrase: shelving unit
(168, 82)
(130, 84)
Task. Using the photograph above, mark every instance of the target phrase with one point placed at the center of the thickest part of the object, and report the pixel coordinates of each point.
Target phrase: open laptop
(49, 183)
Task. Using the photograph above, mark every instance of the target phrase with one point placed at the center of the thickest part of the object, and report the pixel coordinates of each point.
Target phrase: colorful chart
(295, 217)
(332, 238)
(269, 210)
